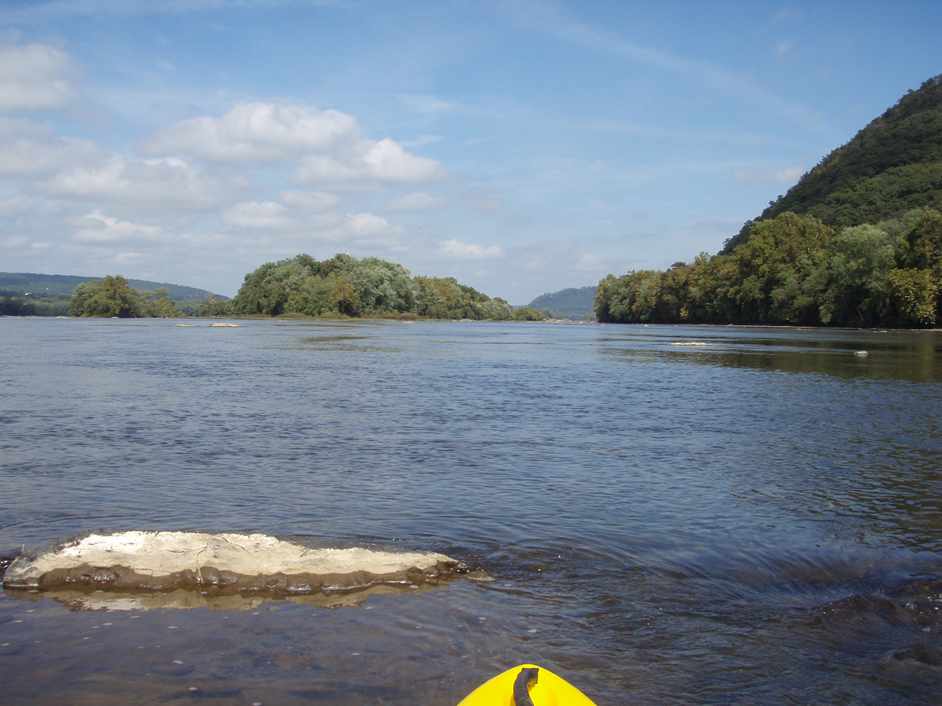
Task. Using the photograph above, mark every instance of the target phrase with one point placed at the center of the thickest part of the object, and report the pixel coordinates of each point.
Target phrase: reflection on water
(753, 520)
(180, 599)
(910, 355)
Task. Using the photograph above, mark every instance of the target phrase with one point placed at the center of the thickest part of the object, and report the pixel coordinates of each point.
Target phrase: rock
(221, 563)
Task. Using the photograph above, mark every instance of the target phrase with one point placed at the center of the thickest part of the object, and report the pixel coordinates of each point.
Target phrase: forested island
(857, 242)
(371, 287)
(340, 287)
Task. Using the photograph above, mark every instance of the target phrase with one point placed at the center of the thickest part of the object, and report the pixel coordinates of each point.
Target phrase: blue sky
(521, 147)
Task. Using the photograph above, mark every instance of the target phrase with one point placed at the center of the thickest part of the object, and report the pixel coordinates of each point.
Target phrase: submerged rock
(165, 561)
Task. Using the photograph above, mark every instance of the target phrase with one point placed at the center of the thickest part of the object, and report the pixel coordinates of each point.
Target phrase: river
(669, 514)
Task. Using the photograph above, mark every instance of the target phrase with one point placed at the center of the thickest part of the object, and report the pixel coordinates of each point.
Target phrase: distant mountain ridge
(63, 286)
(892, 165)
(571, 303)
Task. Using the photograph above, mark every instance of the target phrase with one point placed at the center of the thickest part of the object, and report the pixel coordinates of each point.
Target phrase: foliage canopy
(794, 269)
(347, 286)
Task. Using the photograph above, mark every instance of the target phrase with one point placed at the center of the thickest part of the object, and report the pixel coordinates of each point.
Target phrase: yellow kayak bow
(526, 685)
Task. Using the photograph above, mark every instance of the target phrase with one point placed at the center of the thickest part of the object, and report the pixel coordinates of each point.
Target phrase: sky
(521, 147)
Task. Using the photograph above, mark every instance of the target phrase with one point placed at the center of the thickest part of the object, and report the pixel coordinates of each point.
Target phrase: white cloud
(256, 131)
(258, 214)
(381, 160)
(164, 183)
(30, 148)
(327, 142)
(96, 227)
(415, 201)
(469, 251)
(310, 200)
(34, 77)
(368, 224)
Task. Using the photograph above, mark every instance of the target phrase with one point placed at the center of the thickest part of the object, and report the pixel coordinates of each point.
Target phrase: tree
(855, 277)
(111, 296)
(914, 294)
(159, 305)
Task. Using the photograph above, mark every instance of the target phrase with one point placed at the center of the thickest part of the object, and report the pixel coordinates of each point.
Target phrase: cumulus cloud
(34, 77)
(310, 200)
(258, 214)
(328, 143)
(31, 149)
(469, 251)
(368, 224)
(256, 132)
(165, 183)
(415, 201)
(382, 160)
(96, 227)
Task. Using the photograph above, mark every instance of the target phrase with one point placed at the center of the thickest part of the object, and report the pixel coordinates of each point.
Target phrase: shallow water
(757, 519)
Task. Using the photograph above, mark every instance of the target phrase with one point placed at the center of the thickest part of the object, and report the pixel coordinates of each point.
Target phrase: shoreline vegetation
(796, 270)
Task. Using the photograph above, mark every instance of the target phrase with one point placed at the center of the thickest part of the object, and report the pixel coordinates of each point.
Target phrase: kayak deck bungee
(526, 685)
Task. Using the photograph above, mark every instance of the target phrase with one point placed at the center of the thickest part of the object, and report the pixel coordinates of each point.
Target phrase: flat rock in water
(165, 561)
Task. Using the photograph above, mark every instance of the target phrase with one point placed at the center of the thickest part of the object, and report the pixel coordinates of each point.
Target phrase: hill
(63, 285)
(572, 303)
(857, 242)
(892, 165)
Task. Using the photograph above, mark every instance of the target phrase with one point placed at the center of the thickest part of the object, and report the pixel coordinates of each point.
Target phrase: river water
(670, 515)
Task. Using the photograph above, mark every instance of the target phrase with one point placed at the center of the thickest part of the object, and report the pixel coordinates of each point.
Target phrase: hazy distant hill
(892, 165)
(62, 286)
(572, 303)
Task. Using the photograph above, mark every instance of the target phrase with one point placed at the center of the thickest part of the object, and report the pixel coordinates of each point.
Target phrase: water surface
(754, 518)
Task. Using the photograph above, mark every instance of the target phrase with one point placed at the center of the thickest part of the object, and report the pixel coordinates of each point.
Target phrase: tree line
(795, 269)
(342, 286)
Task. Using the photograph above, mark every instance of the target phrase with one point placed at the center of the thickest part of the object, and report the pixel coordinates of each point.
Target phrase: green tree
(159, 305)
(111, 296)
(855, 277)
(914, 294)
